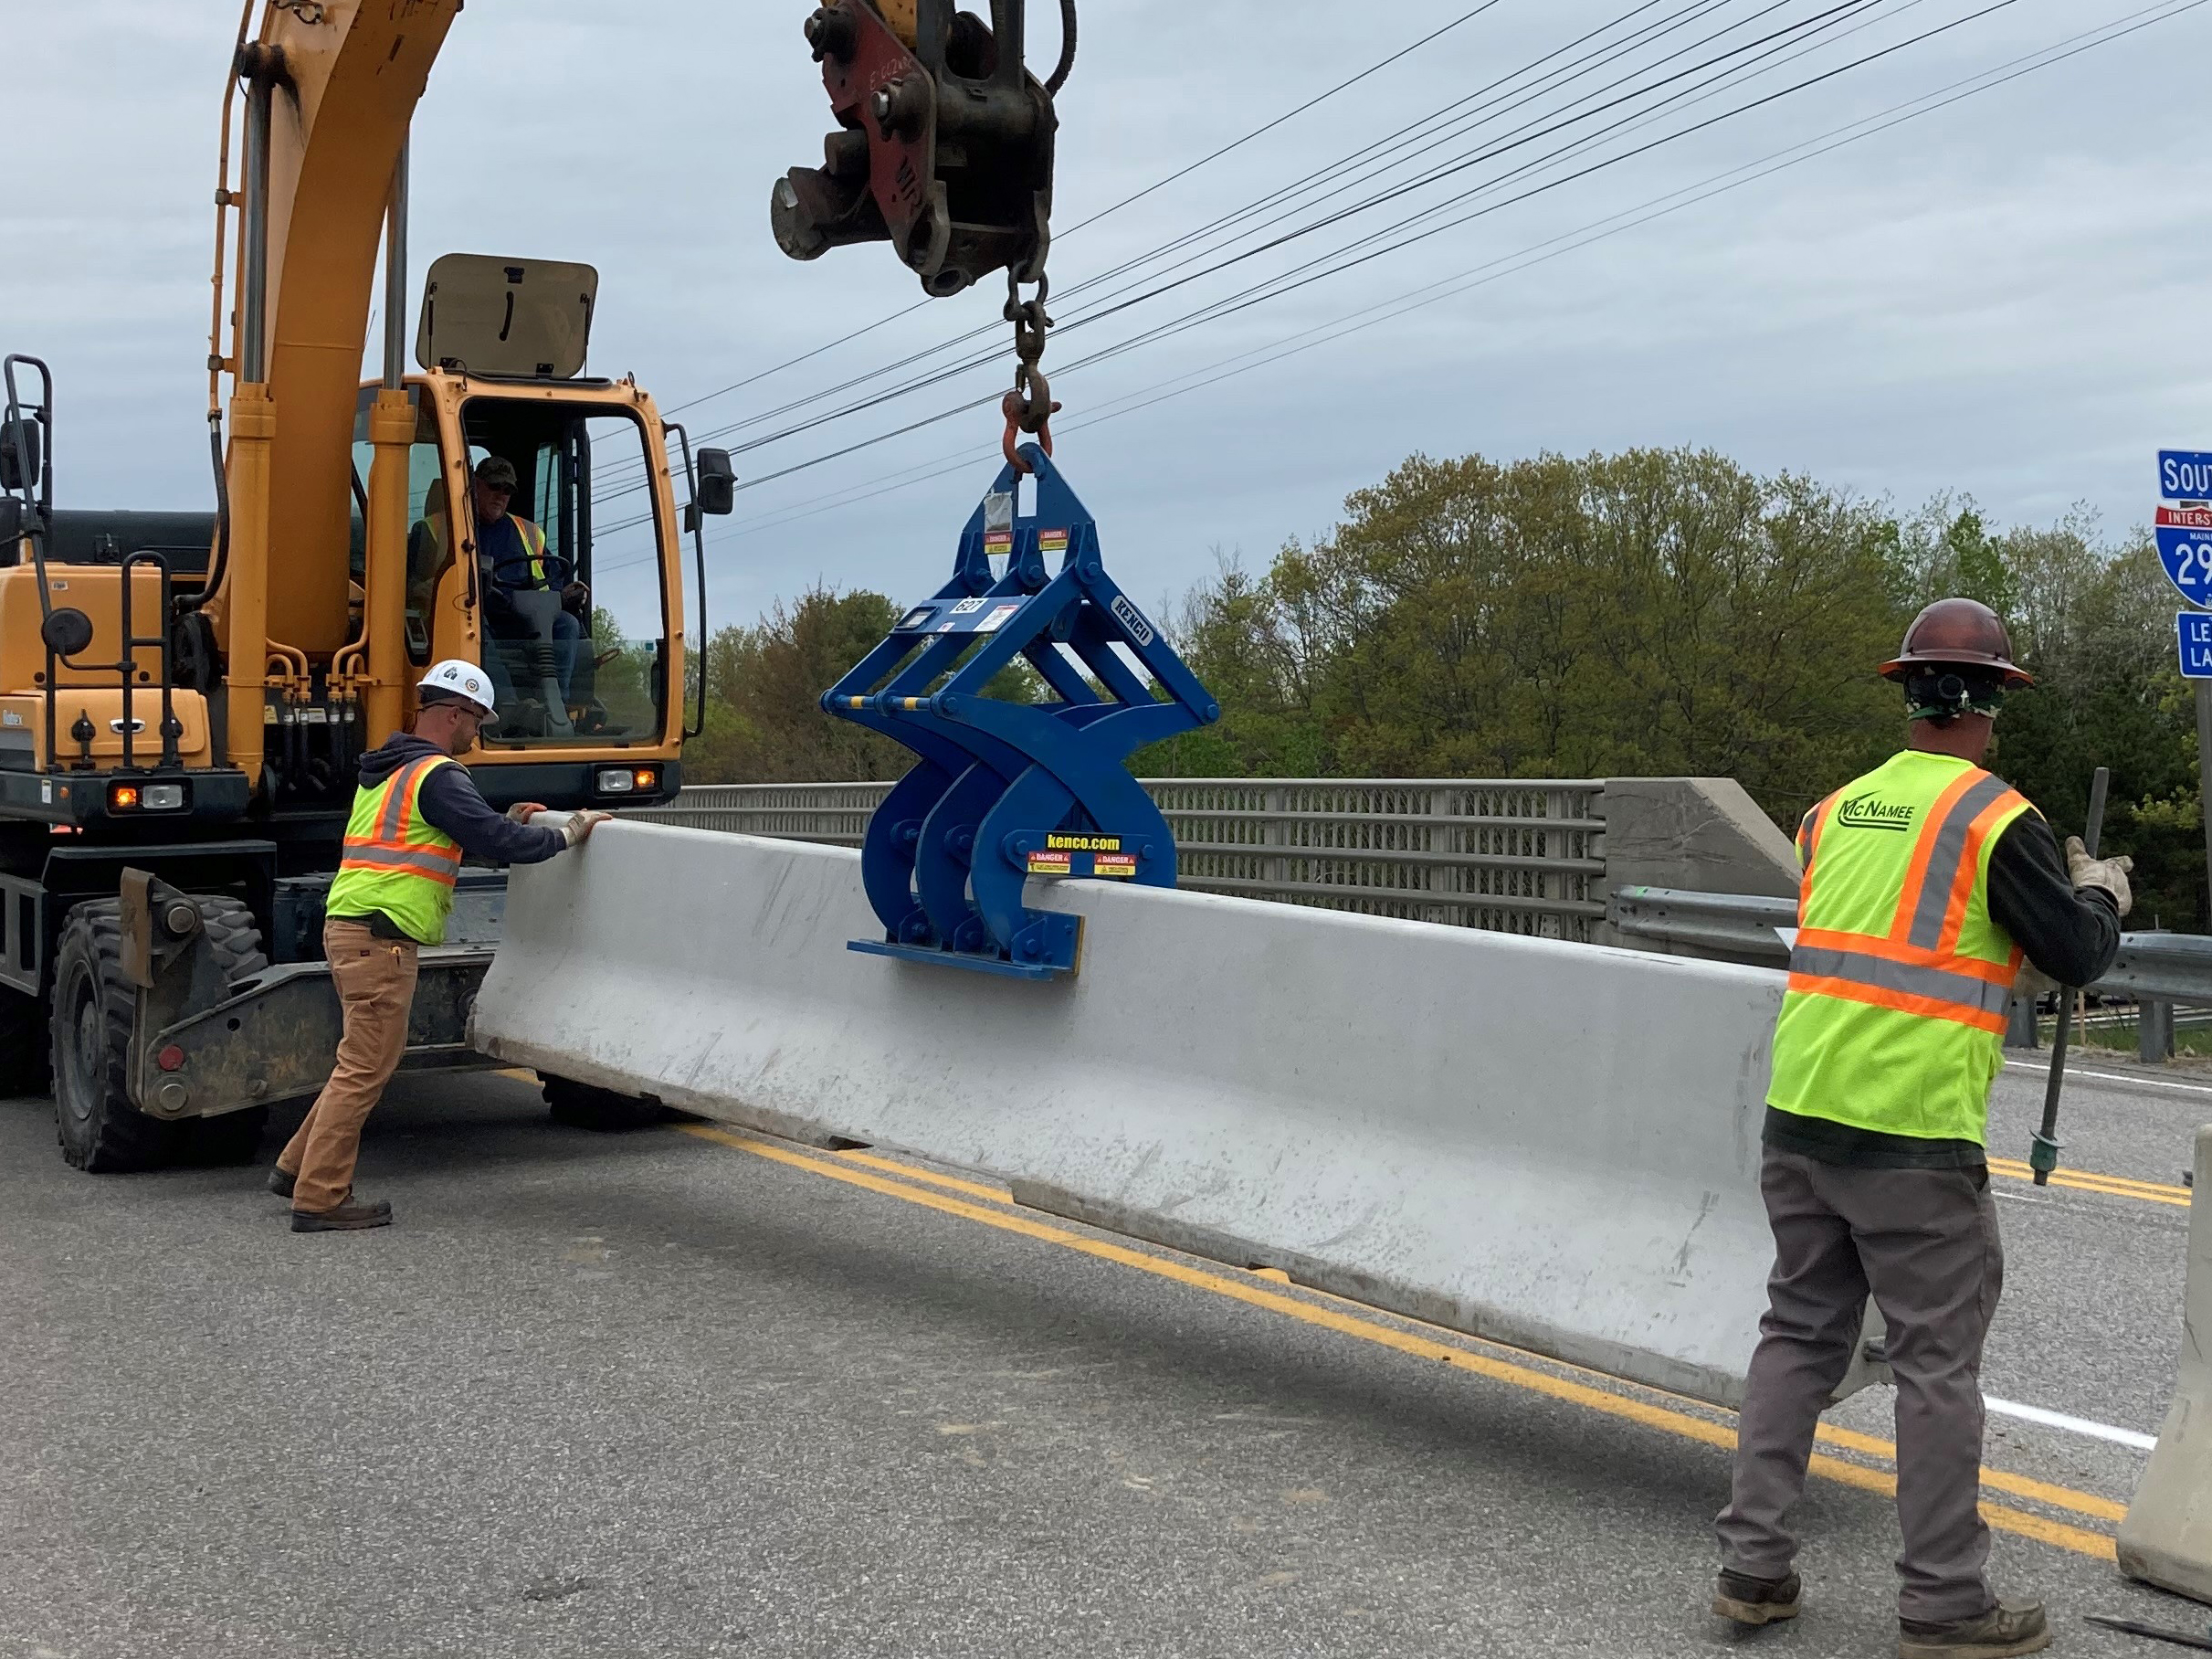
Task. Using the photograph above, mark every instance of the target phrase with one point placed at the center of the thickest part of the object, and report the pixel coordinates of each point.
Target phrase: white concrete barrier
(2166, 1539)
(1555, 1146)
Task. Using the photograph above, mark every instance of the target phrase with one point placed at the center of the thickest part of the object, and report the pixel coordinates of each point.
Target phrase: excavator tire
(100, 1131)
(235, 1137)
(23, 1057)
(579, 1105)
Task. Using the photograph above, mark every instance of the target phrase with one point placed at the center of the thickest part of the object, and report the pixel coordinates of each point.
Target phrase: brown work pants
(1924, 1241)
(375, 980)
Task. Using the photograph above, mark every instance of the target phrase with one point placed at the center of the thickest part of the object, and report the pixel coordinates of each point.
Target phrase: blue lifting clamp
(1003, 790)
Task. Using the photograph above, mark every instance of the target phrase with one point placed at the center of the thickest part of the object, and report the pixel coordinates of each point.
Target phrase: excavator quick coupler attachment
(1006, 790)
(944, 145)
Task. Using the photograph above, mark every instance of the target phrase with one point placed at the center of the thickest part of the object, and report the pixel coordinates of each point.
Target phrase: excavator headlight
(618, 780)
(145, 798)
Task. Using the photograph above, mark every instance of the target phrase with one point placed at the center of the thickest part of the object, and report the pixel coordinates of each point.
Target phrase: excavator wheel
(100, 1131)
(579, 1105)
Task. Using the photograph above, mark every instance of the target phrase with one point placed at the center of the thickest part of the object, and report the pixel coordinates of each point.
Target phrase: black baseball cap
(499, 472)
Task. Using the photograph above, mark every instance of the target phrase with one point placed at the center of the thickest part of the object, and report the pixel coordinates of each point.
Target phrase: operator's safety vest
(533, 547)
(396, 860)
(1894, 1018)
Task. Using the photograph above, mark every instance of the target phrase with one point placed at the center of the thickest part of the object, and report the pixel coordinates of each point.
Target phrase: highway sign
(2184, 475)
(2184, 518)
(2186, 557)
(2195, 628)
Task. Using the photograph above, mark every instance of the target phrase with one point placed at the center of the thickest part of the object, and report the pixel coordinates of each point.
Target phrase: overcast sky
(2005, 296)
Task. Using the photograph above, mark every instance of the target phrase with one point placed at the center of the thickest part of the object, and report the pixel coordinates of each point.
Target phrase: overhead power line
(1337, 261)
(1532, 131)
(1497, 268)
(1159, 184)
(1408, 139)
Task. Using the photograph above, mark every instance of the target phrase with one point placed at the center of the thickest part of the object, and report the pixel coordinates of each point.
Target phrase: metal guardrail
(1508, 855)
(2156, 970)
(1740, 923)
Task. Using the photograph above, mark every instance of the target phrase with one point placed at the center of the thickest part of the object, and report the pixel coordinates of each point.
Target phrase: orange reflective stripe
(1969, 874)
(422, 861)
(1927, 1008)
(1908, 954)
(1947, 860)
(533, 547)
(405, 789)
(1809, 845)
(1931, 831)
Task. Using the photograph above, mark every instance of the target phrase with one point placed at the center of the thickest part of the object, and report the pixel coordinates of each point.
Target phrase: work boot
(281, 1181)
(350, 1215)
(2003, 1631)
(1750, 1600)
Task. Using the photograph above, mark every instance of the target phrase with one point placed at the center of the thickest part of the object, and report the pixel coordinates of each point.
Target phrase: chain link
(1029, 408)
(309, 12)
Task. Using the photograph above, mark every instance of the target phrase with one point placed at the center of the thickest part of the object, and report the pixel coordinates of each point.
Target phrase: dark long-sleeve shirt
(2072, 934)
(451, 801)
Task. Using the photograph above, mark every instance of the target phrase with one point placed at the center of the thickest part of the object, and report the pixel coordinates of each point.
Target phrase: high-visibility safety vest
(396, 860)
(533, 547)
(1894, 1018)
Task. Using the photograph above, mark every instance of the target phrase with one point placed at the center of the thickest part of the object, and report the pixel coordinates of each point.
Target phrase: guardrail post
(1436, 835)
(2154, 1030)
(2020, 1022)
(1276, 832)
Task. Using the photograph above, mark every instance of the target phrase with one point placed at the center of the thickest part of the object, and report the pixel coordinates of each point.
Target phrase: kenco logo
(1873, 812)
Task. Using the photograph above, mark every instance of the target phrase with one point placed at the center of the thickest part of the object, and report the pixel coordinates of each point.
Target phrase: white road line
(2148, 1082)
(2073, 1425)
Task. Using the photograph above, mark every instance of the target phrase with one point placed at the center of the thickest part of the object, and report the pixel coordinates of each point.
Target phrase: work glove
(580, 826)
(2107, 875)
(523, 811)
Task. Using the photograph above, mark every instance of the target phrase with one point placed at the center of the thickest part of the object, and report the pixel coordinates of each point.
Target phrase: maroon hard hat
(1957, 633)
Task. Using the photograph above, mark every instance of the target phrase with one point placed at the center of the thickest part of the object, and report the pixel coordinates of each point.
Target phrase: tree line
(1654, 613)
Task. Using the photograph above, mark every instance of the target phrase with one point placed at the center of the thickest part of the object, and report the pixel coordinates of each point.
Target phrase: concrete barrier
(2166, 1539)
(1552, 1144)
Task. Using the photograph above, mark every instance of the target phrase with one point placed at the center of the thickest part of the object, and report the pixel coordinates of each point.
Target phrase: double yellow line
(994, 1207)
(2084, 1181)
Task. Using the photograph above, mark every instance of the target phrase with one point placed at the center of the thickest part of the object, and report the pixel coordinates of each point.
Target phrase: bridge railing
(1524, 856)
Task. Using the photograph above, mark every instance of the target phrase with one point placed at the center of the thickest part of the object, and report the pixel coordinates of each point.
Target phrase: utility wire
(1331, 263)
(1496, 269)
(1530, 131)
(1408, 137)
(1183, 173)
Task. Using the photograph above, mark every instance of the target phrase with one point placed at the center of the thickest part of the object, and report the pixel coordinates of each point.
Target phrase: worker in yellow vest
(1926, 883)
(416, 815)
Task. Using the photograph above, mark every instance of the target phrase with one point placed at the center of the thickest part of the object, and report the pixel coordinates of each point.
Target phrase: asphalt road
(690, 1392)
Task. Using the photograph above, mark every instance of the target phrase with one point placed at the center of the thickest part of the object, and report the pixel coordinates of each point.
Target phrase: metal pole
(2043, 1152)
(253, 308)
(395, 278)
(2204, 770)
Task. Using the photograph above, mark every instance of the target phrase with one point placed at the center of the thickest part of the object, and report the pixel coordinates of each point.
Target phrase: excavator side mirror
(19, 454)
(716, 495)
(67, 631)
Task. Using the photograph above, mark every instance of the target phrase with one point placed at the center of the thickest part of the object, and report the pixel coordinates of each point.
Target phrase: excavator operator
(510, 558)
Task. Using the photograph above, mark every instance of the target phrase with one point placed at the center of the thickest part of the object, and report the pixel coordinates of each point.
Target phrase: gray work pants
(1924, 1241)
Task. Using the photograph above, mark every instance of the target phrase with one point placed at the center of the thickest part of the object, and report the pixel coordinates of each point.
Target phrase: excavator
(184, 696)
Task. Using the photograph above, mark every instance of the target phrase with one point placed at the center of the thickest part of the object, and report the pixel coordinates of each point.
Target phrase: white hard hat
(466, 680)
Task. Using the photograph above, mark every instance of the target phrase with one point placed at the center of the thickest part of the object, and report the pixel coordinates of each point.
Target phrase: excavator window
(430, 541)
(575, 624)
